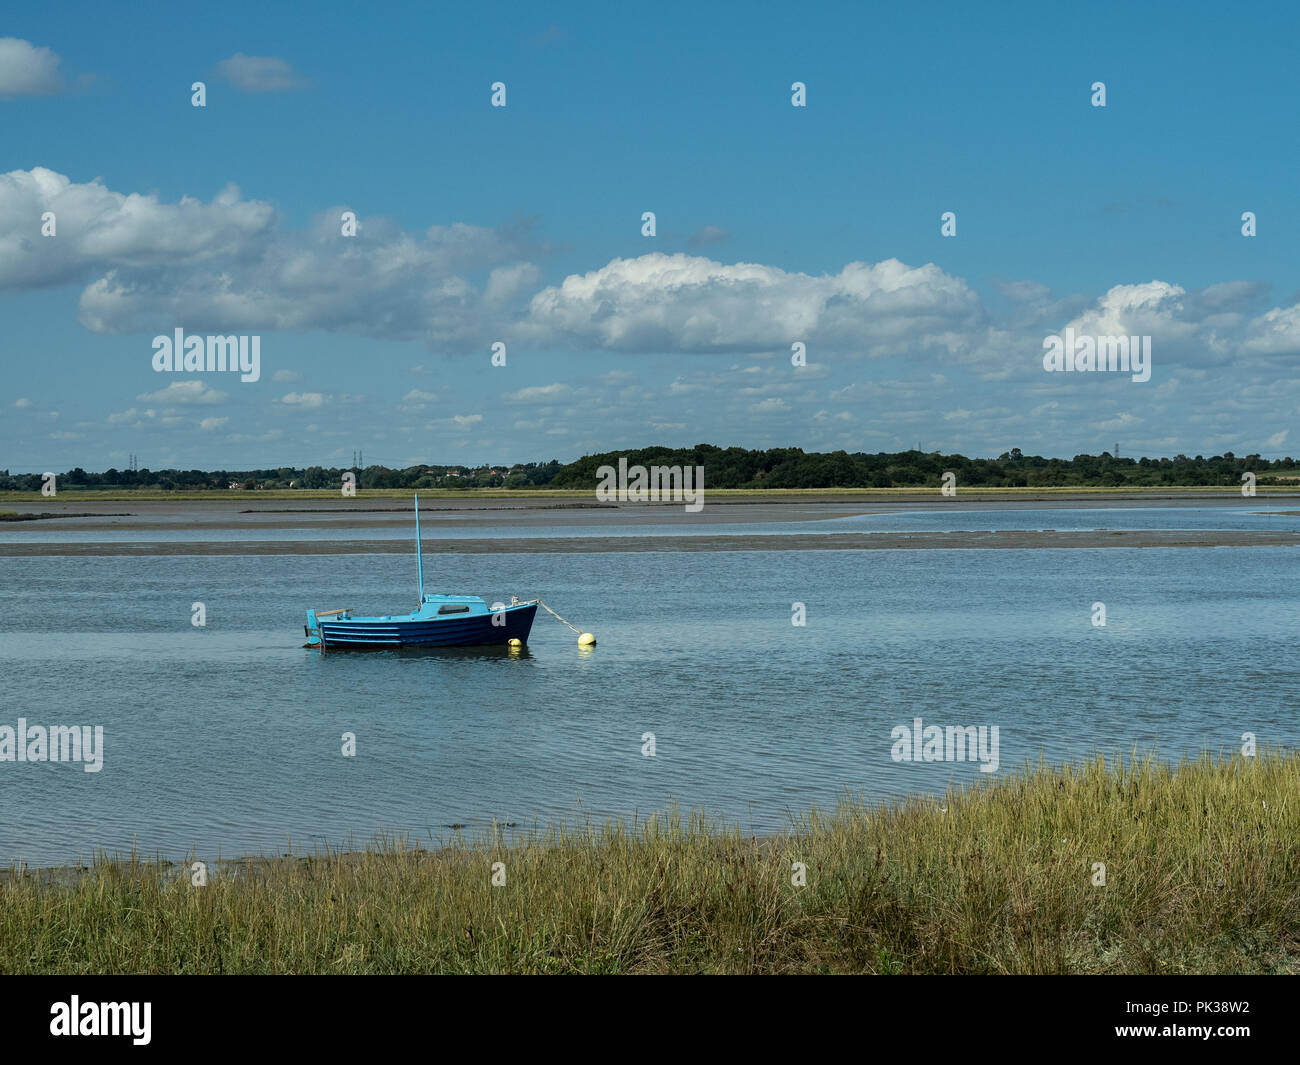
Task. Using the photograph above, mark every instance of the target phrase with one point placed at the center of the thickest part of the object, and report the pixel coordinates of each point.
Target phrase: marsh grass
(1202, 875)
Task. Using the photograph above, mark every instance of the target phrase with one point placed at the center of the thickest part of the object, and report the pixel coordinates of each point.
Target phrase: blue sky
(522, 224)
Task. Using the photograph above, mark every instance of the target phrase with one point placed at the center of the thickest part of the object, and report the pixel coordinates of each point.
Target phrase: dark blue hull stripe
(451, 632)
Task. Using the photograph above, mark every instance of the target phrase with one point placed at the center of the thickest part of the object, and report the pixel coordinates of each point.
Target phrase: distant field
(737, 494)
(256, 495)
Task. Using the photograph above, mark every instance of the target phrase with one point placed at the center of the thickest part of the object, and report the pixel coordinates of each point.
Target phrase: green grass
(1202, 876)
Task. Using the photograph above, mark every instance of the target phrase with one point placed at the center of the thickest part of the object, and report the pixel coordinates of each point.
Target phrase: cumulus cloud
(227, 266)
(1141, 309)
(98, 229)
(27, 70)
(305, 400)
(683, 303)
(1276, 332)
(382, 283)
(230, 266)
(267, 73)
(1194, 328)
(506, 283)
(1231, 296)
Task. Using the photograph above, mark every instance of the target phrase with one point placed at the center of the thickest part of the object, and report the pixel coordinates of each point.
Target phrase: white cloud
(466, 420)
(1123, 420)
(132, 237)
(184, 392)
(508, 283)
(286, 377)
(226, 266)
(305, 400)
(253, 73)
(539, 394)
(132, 417)
(1277, 332)
(209, 424)
(27, 70)
(683, 303)
(1133, 309)
(416, 400)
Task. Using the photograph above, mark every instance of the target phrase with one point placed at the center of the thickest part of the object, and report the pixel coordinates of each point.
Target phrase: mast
(419, 553)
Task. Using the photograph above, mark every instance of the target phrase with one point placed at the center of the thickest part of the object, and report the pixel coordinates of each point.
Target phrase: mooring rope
(557, 617)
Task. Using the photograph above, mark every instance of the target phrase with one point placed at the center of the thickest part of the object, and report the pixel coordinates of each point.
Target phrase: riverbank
(1201, 875)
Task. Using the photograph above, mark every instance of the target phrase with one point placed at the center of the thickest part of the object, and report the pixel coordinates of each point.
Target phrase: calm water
(227, 738)
(675, 521)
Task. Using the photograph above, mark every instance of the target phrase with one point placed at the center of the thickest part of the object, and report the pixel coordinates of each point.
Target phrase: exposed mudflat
(231, 526)
(859, 541)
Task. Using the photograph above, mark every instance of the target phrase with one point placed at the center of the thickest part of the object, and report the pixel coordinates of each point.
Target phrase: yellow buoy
(515, 642)
(586, 639)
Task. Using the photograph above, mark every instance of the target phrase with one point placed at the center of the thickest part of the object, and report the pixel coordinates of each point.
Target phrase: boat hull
(470, 631)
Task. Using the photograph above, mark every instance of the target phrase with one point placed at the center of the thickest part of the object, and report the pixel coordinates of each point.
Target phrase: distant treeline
(732, 467)
(736, 467)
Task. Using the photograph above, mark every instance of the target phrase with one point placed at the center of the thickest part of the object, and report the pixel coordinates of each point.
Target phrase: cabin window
(453, 610)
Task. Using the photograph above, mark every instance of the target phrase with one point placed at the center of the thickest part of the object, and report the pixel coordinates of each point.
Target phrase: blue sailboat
(439, 621)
